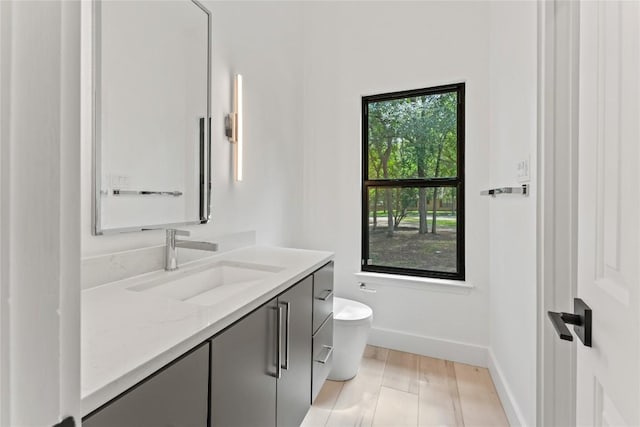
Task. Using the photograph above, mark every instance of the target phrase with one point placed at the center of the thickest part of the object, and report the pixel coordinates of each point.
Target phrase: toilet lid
(344, 309)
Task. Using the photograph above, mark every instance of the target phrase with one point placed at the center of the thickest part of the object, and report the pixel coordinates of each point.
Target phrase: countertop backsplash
(101, 269)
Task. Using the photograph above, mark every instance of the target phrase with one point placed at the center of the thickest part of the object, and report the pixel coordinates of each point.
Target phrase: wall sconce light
(233, 126)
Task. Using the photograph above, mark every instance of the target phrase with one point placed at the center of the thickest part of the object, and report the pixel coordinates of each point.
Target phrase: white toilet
(351, 322)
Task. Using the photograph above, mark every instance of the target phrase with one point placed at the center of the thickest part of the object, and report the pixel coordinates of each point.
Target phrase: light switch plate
(522, 169)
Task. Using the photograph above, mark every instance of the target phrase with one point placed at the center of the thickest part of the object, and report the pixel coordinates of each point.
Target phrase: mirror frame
(205, 144)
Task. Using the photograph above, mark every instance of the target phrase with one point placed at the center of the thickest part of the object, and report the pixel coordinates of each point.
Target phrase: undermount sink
(211, 285)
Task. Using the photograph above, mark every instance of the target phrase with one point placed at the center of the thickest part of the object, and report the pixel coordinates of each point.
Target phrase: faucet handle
(172, 232)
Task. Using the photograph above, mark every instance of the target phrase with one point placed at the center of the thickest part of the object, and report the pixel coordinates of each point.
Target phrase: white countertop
(127, 335)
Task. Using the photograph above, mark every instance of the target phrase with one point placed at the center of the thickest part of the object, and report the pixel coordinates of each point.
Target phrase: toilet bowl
(351, 323)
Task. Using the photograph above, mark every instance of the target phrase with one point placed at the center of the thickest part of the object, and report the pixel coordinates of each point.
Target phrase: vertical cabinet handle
(287, 334)
(279, 343)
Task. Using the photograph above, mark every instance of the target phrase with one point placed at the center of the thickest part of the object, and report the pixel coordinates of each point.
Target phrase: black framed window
(413, 182)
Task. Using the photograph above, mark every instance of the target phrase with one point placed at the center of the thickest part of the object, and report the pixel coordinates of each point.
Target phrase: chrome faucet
(171, 253)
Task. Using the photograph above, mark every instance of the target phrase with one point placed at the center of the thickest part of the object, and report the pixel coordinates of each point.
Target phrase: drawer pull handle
(327, 296)
(327, 356)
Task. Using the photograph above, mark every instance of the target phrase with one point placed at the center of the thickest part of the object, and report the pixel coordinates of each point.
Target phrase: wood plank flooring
(397, 389)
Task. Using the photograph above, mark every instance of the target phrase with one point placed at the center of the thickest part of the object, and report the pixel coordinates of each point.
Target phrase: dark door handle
(67, 422)
(559, 320)
(580, 319)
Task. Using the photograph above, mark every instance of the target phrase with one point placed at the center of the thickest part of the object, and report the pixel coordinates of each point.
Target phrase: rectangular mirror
(151, 142)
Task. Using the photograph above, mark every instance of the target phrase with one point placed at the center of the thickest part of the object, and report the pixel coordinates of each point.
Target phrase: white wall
(40, 212)
(513, 91)
(362, 48)
(261, 41)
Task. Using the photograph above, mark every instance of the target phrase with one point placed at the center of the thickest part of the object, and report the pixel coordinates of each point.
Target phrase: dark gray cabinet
(243, 370)
(294, 384)
(248, 388)
(176, 396)
(322, 327)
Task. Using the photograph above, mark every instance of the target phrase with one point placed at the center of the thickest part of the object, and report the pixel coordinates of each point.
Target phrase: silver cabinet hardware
(329, 349)
(328, 295)
(279, 344)
(287, 334)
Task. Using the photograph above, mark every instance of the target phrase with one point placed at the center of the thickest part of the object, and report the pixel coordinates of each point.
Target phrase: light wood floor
(396, 389)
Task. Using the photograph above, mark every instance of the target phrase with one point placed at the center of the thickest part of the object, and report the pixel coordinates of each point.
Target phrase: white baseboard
(455, 351)
(509, 403)
(471, 354)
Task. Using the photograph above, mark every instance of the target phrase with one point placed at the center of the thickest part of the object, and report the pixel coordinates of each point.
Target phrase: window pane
(413, 137)
(405, 231)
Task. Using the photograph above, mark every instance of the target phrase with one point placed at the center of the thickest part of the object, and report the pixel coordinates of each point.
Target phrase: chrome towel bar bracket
(493, 192)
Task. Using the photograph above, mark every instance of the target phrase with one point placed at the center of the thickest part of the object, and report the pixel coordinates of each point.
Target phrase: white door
(608, 374)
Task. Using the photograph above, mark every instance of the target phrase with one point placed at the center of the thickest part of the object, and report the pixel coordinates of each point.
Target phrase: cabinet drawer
(322, 295)
(322, 356)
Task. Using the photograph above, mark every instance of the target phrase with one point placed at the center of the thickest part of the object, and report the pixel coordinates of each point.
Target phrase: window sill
(413, 282)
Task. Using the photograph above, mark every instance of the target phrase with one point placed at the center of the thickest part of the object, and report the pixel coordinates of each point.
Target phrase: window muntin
(413, 157)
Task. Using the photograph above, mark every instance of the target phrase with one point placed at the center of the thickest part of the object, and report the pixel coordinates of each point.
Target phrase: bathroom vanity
(229, 340)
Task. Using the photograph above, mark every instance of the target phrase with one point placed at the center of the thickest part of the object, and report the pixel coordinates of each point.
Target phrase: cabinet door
(243, 383)
(177, 396)
(294, 385)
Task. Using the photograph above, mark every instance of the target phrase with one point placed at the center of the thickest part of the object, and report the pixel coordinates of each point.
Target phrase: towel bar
(117, 192)
(524, 190)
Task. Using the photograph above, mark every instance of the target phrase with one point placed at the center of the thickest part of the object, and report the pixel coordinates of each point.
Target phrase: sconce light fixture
(233, 126)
